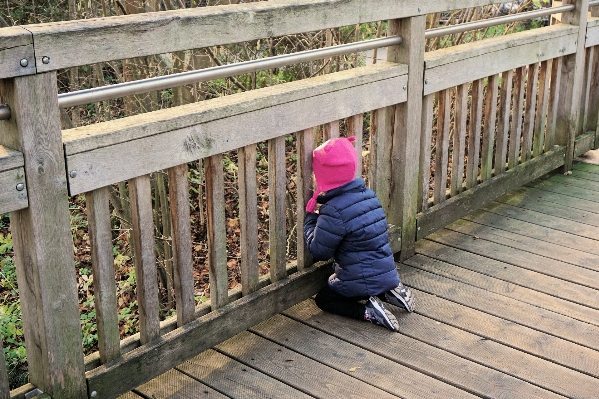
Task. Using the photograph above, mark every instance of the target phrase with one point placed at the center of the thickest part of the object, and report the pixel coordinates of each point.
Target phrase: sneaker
(401, 296)
(376, 313)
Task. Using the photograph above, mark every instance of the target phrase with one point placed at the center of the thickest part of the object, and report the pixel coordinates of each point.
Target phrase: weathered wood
(235, 379)
(442, 147)
(178, 190)
(586, 167)
(476, 111)
(174, 384)
(10, 159)
(42, 240)
(153, 359)
(144, 258)
(355, 127)
(503, 124)
(296, 369)
(100, 239)
(556, 185)
(277, 215)
(248, 218)
(586, 89)
(11, 199)
(516, 122)
(541, 114)
(16, 45)
(305, 145)
(425, 151)
(585, 175)
(406, 136)
(381, 142)
(491, 284)
(442, 364)
(490, 116)
(4, 384)
(179, 140)
(592, 111)
(529, 112)
(127, 36)
(331, 130)
(584, 143)
(459, 140)
(569, 117)
(342, 356)
(592, 32)
(442, 214)
(216, 231)
(478, 59)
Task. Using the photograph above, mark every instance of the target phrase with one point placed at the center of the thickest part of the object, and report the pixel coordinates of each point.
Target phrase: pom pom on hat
(334, 163)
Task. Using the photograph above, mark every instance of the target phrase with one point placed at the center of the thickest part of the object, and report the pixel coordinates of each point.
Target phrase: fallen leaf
(351, 370)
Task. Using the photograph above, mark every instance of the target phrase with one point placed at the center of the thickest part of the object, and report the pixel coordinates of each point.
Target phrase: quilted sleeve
(323, 232)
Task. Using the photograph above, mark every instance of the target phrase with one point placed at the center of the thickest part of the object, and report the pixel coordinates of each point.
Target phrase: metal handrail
(594, 3)
(485, 23)
(163, 82)
(4, 112)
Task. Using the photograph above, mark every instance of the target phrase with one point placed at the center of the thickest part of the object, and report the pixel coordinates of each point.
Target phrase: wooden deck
(507, 307)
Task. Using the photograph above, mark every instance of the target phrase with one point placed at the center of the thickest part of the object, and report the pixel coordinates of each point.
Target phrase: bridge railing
(514, 107)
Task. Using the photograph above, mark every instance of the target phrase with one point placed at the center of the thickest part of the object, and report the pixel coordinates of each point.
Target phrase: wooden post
(248, 218)
(277, 230)
(42, 240)
(403, 204)
(569, 118)
(305, 145)
(594, 100)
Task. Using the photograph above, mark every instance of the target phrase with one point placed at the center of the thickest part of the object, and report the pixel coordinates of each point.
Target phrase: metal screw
(405, 87)
(418, 228)
(20, 187)
(425, 81)
(73, 174)
(419, 9)
(24, 62)
(94, 394)
(46, 60)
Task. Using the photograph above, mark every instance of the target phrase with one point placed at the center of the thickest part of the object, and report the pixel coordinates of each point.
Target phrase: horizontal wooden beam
(584, 142)
(16, 45)
(456, 207)
(74, 43)
(151, 360)
(456, 65)
(592, 32)
(13, 189)
(163, 139)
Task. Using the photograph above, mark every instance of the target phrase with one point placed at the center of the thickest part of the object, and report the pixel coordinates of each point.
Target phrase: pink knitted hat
(334, 163)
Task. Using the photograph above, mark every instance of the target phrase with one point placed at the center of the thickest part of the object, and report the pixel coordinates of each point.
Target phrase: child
(351, 228)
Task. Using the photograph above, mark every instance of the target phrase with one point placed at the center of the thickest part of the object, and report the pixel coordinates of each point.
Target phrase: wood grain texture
(424, 172)
(554, 99)
(442, 147)
(182, 251)
(100, 237)
(436, 361)
(42, 240)
(12, 199)
(442, 214)
(16, 44)
(355, 127)
(305, 145)
(176, 385)
(171, 146)
(368, 367)
(248, 218)
(459, 140)
(277, 216)
(490, 116)
(541, 113)
(515, 135)
(142, 220)
(592, 110)
(529, 111)
(10, 159)
(217, 232)
(503, 124)
(592, 33)
(479, 59)
(148, 361)
(474, 133)
(236, 379)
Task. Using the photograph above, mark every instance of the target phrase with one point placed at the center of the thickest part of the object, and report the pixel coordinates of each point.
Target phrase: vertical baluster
(355, 127)
(490, 117)
(503, 126)
(277, 229)
(100, 237)
(459, 139)
(331, 130)
(592, 112)
(554, 96)
(442, 151)
(380, 155)
(517, 110)
(305, 145)
(541, 115)
(145, 258)
(424, 170)
(529, 113)
(476, 110)
(248, 217)
(586, 91)
(182, 250)
(216, 231)
(4, 385)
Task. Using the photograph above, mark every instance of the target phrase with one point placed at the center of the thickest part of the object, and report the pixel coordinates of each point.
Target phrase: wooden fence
(518, 106)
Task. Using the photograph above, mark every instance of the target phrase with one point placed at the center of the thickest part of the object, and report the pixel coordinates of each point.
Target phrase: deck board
(507, 307)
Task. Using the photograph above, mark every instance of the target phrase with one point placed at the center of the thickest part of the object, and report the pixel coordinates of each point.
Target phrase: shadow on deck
(507, 306)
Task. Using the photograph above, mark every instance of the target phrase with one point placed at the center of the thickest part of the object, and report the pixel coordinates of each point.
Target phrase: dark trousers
(329, 301)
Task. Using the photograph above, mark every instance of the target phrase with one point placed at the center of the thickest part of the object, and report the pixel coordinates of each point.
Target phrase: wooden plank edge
(13, 190)
(149, 361)
(16, 44)
(10, 159)
(456, 207)
(592, 37)
(584, 142)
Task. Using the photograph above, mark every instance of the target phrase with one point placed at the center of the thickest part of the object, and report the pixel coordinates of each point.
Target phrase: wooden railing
(527, 102)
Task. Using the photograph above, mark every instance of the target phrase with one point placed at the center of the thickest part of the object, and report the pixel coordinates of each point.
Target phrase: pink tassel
(311, 205)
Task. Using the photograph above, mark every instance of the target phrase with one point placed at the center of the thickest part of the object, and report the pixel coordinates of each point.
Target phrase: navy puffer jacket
(351, 228)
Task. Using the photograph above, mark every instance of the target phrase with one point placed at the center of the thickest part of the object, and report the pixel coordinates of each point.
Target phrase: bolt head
(94, 394)
(20, 186)
(405, 87)
(73, 174)
(24, 62)
(46, 60)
